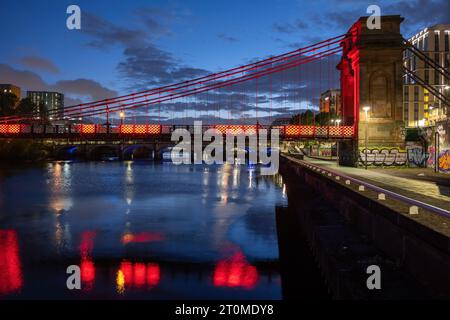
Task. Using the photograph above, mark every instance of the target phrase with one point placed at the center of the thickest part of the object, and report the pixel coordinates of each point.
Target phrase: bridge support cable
(428, 61)
(427, 86)
(217, 85)
(252, 68)
(249, 72)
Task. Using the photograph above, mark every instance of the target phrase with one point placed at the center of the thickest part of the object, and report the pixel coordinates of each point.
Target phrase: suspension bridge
(371, 70)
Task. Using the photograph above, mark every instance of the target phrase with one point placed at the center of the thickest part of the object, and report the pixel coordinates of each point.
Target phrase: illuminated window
(447, 41)
(416, 111)
(436, 41)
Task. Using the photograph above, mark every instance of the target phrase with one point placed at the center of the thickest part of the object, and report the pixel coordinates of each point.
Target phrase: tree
(305, 118)
(8, 102)
(323, 119)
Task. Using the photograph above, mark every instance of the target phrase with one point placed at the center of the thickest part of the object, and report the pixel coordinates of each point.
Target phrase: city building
(10, 88)
(330, 101)
(420, 107)
(53, 102)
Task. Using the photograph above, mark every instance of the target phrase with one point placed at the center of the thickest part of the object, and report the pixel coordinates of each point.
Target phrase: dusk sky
(127, 46)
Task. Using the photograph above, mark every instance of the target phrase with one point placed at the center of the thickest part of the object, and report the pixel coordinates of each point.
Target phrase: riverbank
(414, 249)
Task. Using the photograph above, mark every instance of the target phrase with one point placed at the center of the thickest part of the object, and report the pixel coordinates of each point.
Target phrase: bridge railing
(142, 130)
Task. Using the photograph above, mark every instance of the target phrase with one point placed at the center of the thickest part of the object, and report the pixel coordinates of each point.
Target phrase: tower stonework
(371, 75)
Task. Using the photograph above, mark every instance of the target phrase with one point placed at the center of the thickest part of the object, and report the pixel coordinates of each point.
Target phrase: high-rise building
(53, 102)
(330, 101)
(10, 88)
(420, 107)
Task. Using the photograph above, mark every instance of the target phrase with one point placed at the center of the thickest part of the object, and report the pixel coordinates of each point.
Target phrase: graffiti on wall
(444, 161)
(383, 157)
(417, 157)
(443, 129)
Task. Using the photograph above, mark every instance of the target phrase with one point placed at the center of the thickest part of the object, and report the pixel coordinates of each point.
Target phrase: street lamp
(338, 121)
(122, 116)
(366, 110)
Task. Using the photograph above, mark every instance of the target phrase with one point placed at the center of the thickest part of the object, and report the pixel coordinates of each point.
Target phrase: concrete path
(422, 185)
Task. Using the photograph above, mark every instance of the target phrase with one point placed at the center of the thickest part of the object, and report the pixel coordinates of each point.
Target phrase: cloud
(84, 87)
(73, 89)
(155, 20)
(105, 34)
(227, 38)
(150, 66)
(143, 63)
(418, 14)
(286, 27)
(25, 79)
(38, 63)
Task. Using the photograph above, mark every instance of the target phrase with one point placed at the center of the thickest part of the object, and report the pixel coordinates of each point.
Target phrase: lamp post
(436, 151)
(366, 110)
(122, 116)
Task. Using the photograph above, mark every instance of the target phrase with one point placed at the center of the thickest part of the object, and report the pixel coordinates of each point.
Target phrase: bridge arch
(66, 152)
(104, 152)
(138, 151)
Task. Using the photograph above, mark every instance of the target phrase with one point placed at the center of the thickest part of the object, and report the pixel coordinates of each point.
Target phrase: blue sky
(124, 46)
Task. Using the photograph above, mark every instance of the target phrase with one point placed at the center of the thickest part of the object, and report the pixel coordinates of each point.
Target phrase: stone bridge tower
(371, 75)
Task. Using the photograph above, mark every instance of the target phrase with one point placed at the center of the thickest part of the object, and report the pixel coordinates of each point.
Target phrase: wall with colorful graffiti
(444, 161)
(383, 157)
(434, 143)
(417, 156)
(440, 144)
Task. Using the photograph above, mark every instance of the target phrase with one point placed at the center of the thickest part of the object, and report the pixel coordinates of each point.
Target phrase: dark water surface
(139, 230)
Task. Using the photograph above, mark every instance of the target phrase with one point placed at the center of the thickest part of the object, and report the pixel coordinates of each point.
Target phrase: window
(436, 41)
(416, 93)
(436, 77)
(427, 76)
(446, 41)
(406, 112)
(425, 42)
(416, 111)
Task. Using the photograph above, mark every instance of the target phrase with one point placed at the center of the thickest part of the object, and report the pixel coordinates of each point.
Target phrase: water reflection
(11, 279)
(235, 272)
(137, 275)
(129, 187)
(191, 232)
(142, 237)
(87, 266)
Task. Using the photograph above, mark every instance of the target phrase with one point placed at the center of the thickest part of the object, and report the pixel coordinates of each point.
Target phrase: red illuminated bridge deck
(17, 130)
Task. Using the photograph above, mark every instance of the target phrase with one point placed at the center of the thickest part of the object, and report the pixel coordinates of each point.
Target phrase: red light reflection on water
(137, 275)
(141, 237)
(11, 279)
(235, 272)
(87, 265)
